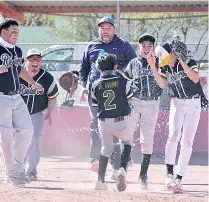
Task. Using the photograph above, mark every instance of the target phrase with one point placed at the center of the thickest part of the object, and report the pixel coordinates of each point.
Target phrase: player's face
(172, 61)
(106, 32)
(34, 64)
(10, 34)
(145, 47)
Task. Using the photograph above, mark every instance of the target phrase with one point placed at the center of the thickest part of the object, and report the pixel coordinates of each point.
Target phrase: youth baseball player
(182, 76)
(110, 94)
(14, 112)
(40, 105)
(145, 100)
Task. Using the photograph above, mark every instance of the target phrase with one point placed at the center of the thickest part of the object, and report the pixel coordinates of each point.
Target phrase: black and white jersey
(110, 93)
(180, 86)
(37, 101)
(11, 57)
(144, 85)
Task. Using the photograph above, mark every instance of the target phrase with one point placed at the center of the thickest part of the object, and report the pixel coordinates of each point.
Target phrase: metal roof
(17, 8)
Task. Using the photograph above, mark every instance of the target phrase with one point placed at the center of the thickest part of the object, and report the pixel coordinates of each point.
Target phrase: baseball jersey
(110, 93)
(37, 101)
(144, 85)
(11, 57)
(180, 86)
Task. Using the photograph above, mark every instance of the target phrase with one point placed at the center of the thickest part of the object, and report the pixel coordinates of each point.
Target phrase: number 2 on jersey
(110, 95)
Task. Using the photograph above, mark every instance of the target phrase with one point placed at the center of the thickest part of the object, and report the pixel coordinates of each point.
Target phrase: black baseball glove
(180, 50)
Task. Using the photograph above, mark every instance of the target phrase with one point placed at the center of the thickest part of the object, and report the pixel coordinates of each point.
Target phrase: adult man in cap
(107, 42)
(40, 105)
(14, 112)
(145, 100)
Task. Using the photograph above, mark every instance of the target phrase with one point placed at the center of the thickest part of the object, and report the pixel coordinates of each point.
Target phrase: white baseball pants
(183, 121)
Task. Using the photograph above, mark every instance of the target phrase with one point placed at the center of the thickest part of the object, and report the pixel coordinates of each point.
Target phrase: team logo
(25, 91)
(9, 61)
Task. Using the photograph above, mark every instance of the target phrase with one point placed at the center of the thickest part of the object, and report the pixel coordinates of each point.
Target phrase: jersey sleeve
(53, 90)
(128, 73)
(93, 97)
(193, 65)
(129, 92)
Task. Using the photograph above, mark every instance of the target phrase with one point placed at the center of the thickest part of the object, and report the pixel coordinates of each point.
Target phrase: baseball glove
(69, 82)
(180, 50)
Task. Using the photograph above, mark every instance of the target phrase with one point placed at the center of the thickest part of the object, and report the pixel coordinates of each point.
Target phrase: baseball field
(69, 179)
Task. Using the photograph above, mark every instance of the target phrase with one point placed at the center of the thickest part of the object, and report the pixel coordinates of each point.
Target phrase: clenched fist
(3, 69)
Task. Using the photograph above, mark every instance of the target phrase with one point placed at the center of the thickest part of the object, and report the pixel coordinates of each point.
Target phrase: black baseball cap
(146, 37)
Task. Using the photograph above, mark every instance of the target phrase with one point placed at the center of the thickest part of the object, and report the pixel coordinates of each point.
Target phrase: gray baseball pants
(16, 130)
(118, 127)
(33, 155)
(145, 112)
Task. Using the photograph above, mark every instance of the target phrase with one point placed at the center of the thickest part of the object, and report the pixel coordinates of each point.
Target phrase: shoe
(178, 187)
(31, 176)
(169, 181)
(121, 182)
(143, 183)
(101, 186)
(114, 175)
(15, 182)
(95, 166)
(24, 178)
(130, 164)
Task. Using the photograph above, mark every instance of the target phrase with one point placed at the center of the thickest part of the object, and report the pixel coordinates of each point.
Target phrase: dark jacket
(122, 49)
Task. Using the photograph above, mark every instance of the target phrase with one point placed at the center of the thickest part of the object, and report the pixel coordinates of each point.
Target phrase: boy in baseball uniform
(110, 93)
(184, 87)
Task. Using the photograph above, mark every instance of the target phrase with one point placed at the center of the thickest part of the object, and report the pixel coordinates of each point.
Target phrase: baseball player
(40, 105)
(145, 100)
(182, 76)
(110, 95)
(108, 42)
(14, 112)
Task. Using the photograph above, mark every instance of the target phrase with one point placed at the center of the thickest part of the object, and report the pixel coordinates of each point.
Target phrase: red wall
(69, 133)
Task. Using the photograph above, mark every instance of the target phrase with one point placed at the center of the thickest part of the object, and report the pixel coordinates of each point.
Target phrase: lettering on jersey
(25, 91)
(9, 62)
(113, 84)
(175, 77)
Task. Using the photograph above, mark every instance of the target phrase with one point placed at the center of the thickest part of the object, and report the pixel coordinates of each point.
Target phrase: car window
(59, 54)
(57, 60)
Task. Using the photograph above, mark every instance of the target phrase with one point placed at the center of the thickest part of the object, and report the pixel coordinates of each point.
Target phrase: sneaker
(95, 166)
(32, 176)
(24, 178)
(178, 187)
(121, 182)
(169, 181)
(101, 186)
(130, 163)
(114, 175)
(15, 182)
(143, 183)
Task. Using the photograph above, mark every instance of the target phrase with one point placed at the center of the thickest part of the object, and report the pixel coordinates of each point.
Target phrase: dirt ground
(64, 179)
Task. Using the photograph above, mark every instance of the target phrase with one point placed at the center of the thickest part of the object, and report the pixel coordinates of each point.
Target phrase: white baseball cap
(33, 51)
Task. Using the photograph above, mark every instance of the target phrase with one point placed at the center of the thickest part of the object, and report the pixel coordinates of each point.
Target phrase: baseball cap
(33, 52)
(163, 52)
(146, 37)
(106, 19)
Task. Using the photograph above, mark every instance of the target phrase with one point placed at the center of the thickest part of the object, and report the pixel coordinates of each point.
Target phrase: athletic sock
(103, 160)
(125, 156)
(178, 177)
(144, 165)
(169, 169)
